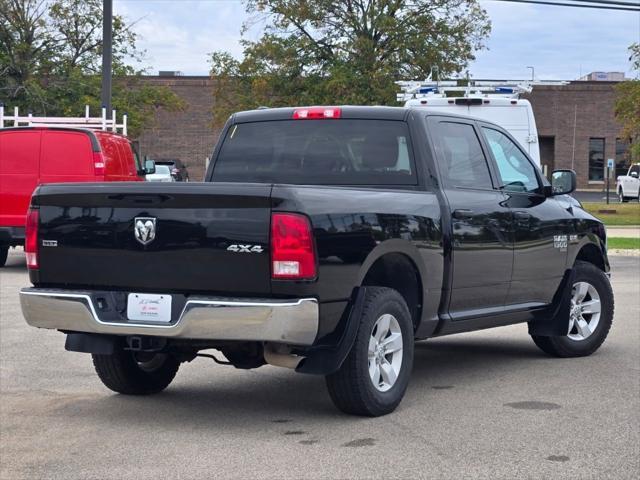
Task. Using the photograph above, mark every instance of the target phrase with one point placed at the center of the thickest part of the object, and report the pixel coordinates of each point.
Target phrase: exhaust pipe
(281, 356)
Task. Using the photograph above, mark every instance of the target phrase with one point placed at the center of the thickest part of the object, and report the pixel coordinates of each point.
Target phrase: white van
(497, 102)
(514, 115)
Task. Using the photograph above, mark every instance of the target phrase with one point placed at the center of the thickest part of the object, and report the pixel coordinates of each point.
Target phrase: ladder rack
(476, 88)
(93, 123)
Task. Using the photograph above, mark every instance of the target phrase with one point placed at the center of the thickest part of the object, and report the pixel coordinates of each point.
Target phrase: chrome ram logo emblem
(144, 229)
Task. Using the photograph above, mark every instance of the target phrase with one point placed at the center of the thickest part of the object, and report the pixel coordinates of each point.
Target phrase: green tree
(50, 61)
(346, 52)
(627, 107)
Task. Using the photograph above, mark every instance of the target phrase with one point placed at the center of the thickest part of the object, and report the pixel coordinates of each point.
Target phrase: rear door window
(463, 163)
(329, 152)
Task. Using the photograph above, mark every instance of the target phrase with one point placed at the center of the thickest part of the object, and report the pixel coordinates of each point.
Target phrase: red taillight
(292, 253)
(98, 164)
(316, 113)
(31, 238)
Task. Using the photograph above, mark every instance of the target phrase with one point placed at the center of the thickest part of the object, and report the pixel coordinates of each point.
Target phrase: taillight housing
(316, 113)
(31, 238)
(292, 253)
(98, 164)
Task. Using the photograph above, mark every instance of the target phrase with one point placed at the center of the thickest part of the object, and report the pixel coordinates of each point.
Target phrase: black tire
(351, 388)
(4, 253)
(621, 197)
(564, 346)
(121, 372)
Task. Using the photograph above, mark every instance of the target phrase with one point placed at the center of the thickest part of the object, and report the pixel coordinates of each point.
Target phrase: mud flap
(327, 359)
(554, 321)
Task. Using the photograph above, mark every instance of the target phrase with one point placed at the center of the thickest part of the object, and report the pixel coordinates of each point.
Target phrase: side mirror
(563, 182)
(634, 174)
(149, 167)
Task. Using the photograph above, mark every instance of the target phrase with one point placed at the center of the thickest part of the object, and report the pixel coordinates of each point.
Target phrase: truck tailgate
(201, 237)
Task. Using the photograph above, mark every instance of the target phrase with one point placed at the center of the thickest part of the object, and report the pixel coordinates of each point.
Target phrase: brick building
(577, 130)
(576, 127)
(188, 135)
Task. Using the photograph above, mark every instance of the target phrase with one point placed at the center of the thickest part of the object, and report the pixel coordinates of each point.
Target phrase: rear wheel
(4, 253)
(136, 373)
(375, 374)
(590, 318)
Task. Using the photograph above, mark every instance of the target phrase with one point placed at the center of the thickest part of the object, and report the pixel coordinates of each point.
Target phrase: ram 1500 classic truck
(628, 186)
(326, 240)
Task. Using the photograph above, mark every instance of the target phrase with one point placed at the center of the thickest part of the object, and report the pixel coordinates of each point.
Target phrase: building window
(623, 156)
(596, 159)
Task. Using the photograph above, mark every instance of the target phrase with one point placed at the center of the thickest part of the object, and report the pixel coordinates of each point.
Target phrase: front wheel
(136, 373)
(375, 375)
(590, 317)
(621, 197)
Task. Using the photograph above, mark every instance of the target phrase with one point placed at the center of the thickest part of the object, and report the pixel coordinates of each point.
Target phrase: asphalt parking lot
(482, 405)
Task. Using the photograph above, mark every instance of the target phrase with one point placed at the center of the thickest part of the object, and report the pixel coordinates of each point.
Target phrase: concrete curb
(623, 253)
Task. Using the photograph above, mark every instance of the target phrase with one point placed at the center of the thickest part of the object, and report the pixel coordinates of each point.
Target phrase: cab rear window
(313, 152)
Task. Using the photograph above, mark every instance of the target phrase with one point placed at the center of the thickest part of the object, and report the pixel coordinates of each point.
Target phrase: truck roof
(347, 111)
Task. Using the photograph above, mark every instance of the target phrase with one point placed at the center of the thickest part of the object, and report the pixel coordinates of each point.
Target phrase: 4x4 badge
(144, 229)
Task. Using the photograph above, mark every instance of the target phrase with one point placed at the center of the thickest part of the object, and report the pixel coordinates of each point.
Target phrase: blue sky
(561, 43)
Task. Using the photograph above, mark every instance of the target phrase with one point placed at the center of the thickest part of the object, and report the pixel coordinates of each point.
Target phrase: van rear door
(66, 156)
(19, 163)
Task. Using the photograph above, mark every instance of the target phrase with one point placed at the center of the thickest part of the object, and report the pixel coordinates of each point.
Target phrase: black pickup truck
(325, 240)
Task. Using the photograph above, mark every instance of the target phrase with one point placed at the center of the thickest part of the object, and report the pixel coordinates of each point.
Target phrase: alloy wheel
(585, 311)
(385, 352)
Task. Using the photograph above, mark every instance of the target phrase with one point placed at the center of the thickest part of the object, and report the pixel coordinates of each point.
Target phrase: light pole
(107, 31)
(533, 71)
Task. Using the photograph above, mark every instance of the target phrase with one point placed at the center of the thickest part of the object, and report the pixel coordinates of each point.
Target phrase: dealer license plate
(149, 307)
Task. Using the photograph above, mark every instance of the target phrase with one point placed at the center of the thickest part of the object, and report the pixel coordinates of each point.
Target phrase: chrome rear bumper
(292, 322)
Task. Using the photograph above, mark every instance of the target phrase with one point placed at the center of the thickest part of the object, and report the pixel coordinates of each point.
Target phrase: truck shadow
(271, 398)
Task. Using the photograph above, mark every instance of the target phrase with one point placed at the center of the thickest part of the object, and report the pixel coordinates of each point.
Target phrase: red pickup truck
(30, 156)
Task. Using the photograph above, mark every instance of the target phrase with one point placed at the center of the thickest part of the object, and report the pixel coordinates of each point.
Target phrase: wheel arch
(592, 254)
(396, 264)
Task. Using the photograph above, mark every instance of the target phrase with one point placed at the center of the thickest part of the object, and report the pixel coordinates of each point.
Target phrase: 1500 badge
(239, 248)
(560, 242)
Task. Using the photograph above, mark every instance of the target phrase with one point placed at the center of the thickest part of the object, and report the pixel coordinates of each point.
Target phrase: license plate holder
(149, 307)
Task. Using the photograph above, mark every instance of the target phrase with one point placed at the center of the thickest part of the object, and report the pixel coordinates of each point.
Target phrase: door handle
(462, 214)
(522, 215)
